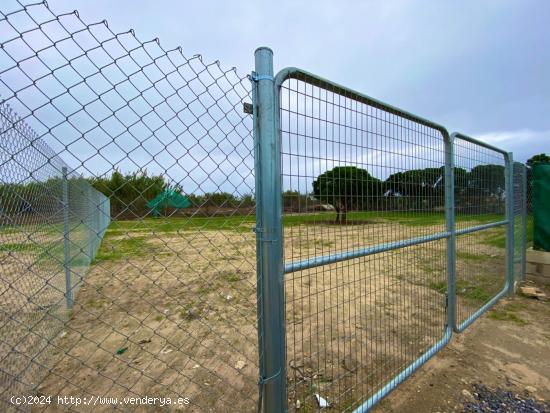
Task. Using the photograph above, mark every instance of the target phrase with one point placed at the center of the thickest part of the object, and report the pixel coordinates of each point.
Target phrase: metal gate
(393, 233)
(377, 232)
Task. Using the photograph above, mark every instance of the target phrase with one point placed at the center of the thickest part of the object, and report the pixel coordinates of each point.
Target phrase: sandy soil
(180, 319)
(508, 348)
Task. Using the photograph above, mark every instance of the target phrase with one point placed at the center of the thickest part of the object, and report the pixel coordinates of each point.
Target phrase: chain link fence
(160, 306)
(52, 223)
(151, 248)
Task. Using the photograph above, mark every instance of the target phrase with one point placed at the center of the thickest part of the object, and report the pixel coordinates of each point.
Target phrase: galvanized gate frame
(508, 287)
(270, 242)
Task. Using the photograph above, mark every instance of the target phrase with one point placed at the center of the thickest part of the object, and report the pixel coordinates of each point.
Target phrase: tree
(487, 179)
(130, 193)
(346, 188)
(541, 157)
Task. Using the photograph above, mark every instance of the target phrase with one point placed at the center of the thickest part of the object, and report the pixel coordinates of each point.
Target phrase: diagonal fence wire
(127, 204)
(162, 305)
(45, 252)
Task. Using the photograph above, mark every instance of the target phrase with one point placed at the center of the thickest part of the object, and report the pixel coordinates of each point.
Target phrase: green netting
(541, 206)
(168, 198)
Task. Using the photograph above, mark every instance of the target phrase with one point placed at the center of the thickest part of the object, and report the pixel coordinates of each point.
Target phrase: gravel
(501, 401)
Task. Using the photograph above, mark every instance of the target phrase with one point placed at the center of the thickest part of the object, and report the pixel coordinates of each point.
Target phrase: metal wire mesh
(355, 176)
(127, 199)
(52, 223)
(167, 307)
(479, 200)
(520, 220)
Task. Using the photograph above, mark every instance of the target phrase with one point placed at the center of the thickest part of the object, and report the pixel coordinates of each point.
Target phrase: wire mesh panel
(365, 243)
(52, 222)
(480, 207)
(157, 141)
(520, 220)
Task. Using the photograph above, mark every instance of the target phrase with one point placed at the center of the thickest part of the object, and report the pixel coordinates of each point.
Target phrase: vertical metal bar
(269, 235)
(66, 245)
(523, 223)
(451, 228)
(509, 188)
(92, 234)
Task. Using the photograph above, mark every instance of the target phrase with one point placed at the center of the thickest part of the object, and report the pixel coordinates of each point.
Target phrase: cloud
(524, 143)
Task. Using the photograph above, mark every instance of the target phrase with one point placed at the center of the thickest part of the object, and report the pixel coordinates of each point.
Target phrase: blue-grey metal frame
(269, 237)
(290, 73)
(508, 287)
(269, 232)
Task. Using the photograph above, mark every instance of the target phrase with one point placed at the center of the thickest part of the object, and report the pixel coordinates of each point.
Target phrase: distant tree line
(342, 189)
(350, 188)
(42, 201)
(542, 158)
(129, 194)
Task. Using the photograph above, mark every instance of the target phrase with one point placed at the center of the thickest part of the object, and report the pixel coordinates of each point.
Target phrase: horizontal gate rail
(469, 230)
(362, 252)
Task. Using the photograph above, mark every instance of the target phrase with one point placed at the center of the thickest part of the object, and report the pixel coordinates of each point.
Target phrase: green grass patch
(463, 289)
(469, 256)
(495, 240)
(477, 294)
(440, 286)
(508, 313)
(118, 249)
(244, 223)
(19, 247)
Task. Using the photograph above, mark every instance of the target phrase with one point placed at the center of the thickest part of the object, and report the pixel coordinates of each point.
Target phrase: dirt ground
(173, 314)
(507, 348)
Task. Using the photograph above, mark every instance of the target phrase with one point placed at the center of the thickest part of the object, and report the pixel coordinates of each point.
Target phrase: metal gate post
(269, 237)
(451, 229)
(66, 245)
(509, 190)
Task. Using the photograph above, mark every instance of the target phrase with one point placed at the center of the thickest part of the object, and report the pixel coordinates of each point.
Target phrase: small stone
(532, 292)
(239, 365)
(321, 401)
(531, 389)
(468, 395)
(166, 350)
(229, 297)
(298, 404)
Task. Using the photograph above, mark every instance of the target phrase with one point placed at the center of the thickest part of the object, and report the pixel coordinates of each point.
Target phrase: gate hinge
(248, 108)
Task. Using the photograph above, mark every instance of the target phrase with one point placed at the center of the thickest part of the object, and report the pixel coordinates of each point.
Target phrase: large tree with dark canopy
(346, 188)
(541, 157)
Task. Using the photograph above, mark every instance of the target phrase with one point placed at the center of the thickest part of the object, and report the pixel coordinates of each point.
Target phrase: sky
(478, 67)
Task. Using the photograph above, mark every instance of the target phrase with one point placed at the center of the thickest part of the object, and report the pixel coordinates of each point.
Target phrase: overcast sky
(479, 67)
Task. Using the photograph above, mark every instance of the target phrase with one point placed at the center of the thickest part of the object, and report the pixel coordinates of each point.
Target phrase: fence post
(509, 190)
(523, 222)
(269, 237)
(90, 221)
(450, 226)
(66, 245)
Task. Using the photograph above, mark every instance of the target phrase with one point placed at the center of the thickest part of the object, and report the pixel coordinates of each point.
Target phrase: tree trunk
(340, 214)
